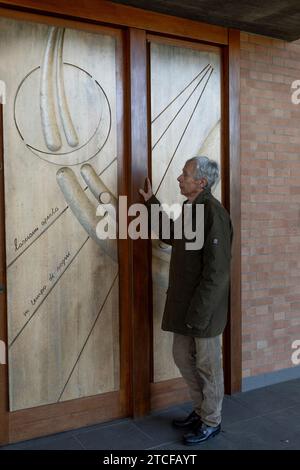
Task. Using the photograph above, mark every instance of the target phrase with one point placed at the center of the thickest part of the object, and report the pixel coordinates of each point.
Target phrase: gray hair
(205, 168)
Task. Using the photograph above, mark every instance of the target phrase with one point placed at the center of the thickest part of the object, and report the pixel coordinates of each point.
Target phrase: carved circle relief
(90, 111)
(61, 112)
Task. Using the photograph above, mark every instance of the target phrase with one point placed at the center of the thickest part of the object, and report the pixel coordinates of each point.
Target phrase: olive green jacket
(197, 296)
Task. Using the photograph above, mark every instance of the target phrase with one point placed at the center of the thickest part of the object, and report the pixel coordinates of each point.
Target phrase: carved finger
(83, 209)
(47, 94)
(96, 185)
(69, 129)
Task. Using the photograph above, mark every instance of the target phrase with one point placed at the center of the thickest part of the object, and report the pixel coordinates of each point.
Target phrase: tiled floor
(267, 418)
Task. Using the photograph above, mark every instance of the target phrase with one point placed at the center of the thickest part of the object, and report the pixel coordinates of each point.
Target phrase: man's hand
(148, 193)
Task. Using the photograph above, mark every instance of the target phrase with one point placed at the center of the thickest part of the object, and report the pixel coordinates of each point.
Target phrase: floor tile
(121, 436)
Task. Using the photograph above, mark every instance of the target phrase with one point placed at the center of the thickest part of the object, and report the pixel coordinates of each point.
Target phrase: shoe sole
(202, 442)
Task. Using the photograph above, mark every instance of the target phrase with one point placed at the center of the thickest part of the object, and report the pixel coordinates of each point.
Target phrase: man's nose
(179, 178)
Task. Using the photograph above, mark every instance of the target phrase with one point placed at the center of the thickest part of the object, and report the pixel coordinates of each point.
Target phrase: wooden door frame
(56, 417)
(134, 25)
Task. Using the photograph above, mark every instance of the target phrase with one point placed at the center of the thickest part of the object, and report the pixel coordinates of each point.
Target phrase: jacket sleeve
(164, 220)
(214, 279)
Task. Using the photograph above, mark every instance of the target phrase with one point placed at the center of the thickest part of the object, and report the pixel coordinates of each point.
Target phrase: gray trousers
(200, 363)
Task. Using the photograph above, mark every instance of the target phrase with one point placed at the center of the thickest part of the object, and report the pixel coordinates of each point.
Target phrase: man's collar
(205, 194)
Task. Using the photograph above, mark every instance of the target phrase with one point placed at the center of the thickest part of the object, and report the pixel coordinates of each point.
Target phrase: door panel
(185, 122)
(60, 153)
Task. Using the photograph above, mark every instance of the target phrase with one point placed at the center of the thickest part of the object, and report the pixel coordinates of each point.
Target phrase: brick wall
(270, 173)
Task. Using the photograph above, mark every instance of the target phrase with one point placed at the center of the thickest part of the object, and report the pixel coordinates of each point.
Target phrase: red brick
(270, 169)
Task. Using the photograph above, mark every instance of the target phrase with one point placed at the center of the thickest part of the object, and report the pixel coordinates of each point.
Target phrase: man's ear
(203, 183)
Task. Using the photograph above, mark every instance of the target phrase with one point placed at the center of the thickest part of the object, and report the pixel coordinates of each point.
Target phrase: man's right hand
(148, 193)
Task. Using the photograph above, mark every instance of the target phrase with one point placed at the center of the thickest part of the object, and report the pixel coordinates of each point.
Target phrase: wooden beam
(124, 245)
(58, 417)
(102, 11)
(140, 248)
(232, 334)
(3, 319)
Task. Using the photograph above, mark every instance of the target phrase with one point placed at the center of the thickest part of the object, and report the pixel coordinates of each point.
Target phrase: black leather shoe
(200, 434)
(191, 420)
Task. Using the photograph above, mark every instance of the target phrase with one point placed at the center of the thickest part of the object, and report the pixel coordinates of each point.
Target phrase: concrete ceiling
(277, 18)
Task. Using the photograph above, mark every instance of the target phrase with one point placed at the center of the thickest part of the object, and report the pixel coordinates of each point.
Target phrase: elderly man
(197, 300)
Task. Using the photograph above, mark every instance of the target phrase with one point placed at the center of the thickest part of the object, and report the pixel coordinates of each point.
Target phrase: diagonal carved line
(52, 287)
(54, 220)
(180, 109)
(179, 94)
(184, 131)
(88, 336)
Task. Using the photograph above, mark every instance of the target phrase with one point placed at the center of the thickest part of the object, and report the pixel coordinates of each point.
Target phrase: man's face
(189, 186)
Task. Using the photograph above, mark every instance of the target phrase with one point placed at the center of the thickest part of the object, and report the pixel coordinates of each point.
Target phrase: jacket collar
(203, 196)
